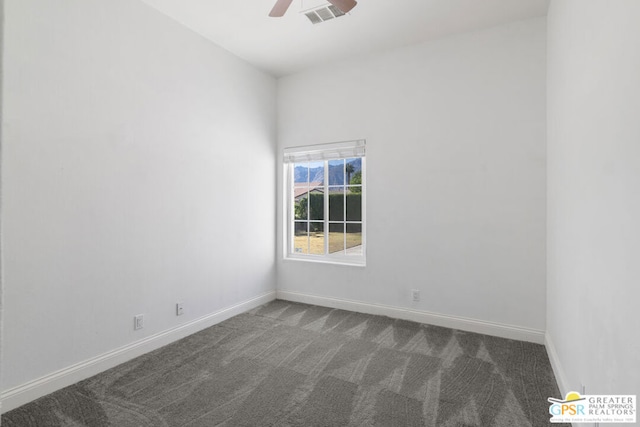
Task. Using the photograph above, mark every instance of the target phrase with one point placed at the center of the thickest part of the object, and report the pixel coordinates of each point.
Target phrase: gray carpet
(289, 364)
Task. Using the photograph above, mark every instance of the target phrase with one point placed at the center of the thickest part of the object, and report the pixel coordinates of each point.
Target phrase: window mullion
(291, 210)
(308, 209)
(326, 207)
(344, 207)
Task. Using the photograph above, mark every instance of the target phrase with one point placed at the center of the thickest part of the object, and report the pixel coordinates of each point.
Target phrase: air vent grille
(324, 13)
(313, 17)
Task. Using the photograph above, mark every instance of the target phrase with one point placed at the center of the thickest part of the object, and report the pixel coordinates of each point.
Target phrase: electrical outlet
(138, 322)
(415, 294)
(179, 309)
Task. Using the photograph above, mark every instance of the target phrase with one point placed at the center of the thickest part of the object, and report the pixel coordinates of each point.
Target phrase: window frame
(344, 151)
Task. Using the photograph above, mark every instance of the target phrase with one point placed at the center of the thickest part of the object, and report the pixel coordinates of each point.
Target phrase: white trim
(561, 378)
(558, 372)
(25, 393)
(353, 261)
(455, 322)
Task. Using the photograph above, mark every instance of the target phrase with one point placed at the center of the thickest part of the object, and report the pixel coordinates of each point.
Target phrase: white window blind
(332, 151)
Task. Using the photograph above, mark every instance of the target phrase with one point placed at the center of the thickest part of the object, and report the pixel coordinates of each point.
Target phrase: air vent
(323, 14)
(315, 19)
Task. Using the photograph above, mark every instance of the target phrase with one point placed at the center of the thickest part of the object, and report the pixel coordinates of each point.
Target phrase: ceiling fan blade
(344, 5)
(280, 8)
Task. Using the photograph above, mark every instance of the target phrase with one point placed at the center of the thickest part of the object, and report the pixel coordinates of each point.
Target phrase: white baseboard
(465, 324)
(25, 393)
(561, 378)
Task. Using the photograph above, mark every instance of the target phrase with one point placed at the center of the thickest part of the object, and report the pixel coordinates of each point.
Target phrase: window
(325, 202)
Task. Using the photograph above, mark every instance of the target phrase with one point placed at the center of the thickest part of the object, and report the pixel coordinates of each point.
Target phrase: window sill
(346, 261)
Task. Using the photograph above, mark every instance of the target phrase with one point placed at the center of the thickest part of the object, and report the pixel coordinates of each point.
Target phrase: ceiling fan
(281, 6)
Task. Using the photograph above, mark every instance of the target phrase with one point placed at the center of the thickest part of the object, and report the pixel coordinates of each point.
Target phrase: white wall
(455, 134)
(594, 194)
(138, 171)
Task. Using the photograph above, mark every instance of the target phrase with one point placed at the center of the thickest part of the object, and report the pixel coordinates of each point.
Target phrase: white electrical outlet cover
(138, 322)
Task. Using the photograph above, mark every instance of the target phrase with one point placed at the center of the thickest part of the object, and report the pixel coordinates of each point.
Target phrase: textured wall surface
(134, 151)
(455, 134)
(593, 188)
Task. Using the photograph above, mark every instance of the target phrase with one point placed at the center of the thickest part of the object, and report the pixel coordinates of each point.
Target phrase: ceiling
(282, 46)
